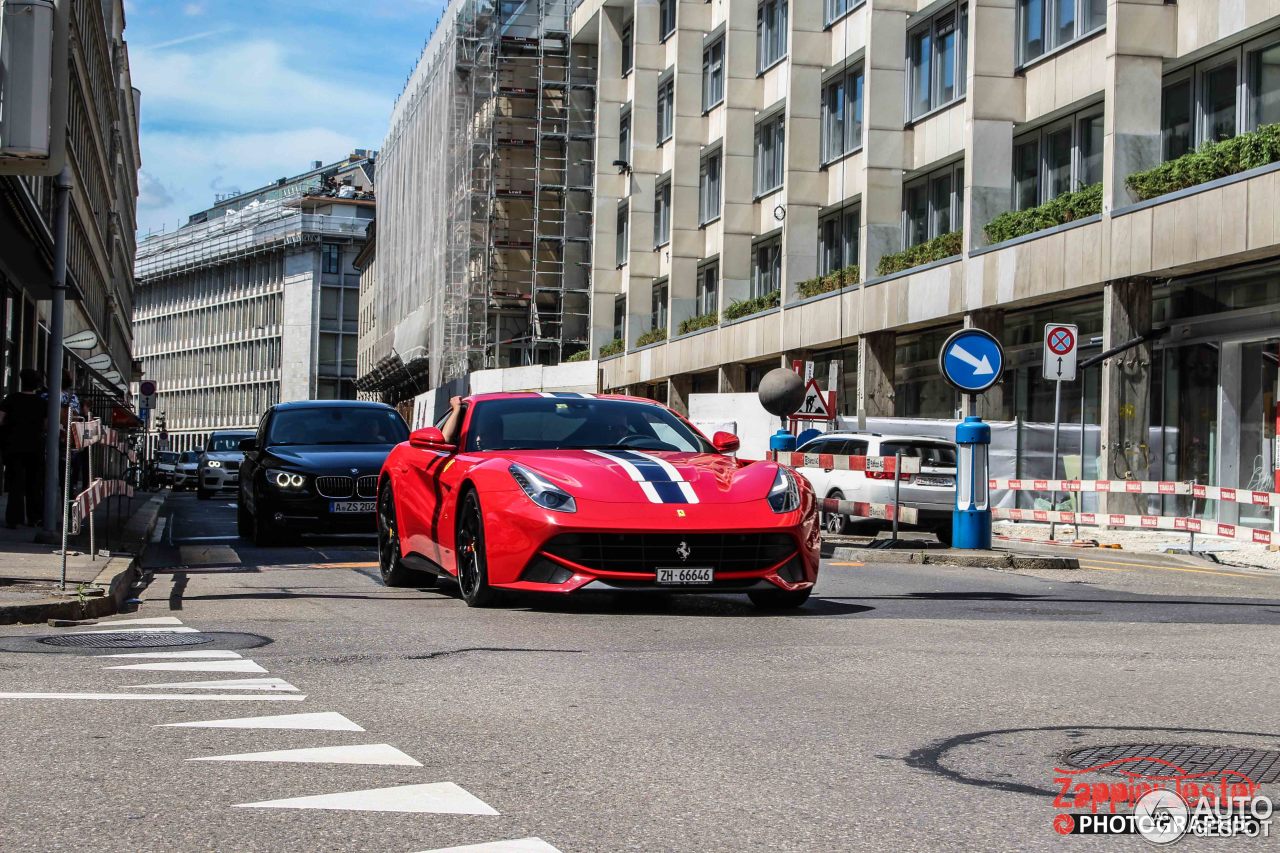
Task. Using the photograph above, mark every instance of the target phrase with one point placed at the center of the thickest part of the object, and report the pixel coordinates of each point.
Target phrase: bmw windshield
(337, 425)
(568, 423)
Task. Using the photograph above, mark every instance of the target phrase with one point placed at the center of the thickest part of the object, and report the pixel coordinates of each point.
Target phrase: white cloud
(193, 9)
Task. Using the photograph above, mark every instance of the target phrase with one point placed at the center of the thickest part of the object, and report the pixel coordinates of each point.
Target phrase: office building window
(932, 204)
(771, 33)
(766, 267)
(1045, 25)
(662, 214)
(835, 9)
(713, 74)
(1061, 157)
(658, 315)
(1233, 92)
(838, 239)
(842, 115)
(623, 238)
(666, 108)
(624, 135)
(666, 18)
(628, 50)
(708, 284)
(770, 146)
(709, 192)
(330, 258)
(936, 63)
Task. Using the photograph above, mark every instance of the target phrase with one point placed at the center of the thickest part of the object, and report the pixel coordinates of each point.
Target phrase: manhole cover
(1260, 765)
(126, 641)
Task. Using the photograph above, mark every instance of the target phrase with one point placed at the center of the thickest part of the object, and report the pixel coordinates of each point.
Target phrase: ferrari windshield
(578, 423)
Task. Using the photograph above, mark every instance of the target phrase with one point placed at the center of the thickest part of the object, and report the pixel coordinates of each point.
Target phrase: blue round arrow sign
(971, 360)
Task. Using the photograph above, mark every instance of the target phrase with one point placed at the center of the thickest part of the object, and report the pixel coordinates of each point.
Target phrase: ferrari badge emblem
(683, 551)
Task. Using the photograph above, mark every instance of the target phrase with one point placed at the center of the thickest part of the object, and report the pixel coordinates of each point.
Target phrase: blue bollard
(971, 519)
(782, 441)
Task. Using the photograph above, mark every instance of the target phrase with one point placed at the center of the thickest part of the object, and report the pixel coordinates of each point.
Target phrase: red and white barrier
(1142, 487)
(864, 509)
(1145, 522)
(88, 500)
(837, 462)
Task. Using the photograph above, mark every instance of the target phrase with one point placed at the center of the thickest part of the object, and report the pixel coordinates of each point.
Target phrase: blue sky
(236, 93)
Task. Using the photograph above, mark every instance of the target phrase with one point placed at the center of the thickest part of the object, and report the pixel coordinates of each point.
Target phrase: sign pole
(1057, 426)
(971, 361)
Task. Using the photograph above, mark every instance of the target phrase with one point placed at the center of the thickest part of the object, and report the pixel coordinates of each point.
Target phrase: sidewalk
(1151, 542)
(30, 571)
(923, 548)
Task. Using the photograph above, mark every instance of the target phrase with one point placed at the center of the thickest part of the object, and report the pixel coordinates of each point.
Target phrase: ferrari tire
(779, 599)
(833, 522)
(390, 563)
(473, 569)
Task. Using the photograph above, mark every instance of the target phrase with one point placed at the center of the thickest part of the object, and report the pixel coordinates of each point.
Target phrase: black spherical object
(781, 392)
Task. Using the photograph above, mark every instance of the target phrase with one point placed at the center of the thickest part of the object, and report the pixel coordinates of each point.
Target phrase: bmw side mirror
(430, 438)
(725, 442)
(247, 444)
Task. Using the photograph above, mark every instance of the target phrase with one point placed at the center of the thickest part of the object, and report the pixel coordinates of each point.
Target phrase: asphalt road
(904, 708)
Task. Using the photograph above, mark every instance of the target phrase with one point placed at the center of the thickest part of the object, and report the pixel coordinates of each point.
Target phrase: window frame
(619, 316)
(852, 120)
(622, 237)
(1084, 27)
(955, 172)
(775, 127)
(330, 251)
(666, 107)
(666, 19)
(772, 17)
(624, 133)
(660, 303)
(841, 217)
(707, 211)
(831, 13)
(708, 282)
(930, 27)
(662, 212)
(773, 277)
(1040, 136)
(711, 73)
(628, 38)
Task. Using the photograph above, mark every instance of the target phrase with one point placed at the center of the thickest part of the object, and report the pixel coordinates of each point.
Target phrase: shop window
(771, 33)
(842, 115)
(936, 63)
(770, 145)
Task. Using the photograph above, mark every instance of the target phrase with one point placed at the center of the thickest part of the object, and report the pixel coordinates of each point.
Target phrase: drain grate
(122, 640)
(1260, 765)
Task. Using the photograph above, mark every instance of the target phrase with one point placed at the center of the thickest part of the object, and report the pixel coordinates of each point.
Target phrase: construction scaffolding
(485, 194)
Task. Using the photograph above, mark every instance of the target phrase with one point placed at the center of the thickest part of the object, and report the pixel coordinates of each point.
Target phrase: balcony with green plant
(580, 355)
(747, 307)
(614, 347)
(1068, 207)
(1209, 162)
(653, 336)
(702, 321)
(938, 249)
(832, 281)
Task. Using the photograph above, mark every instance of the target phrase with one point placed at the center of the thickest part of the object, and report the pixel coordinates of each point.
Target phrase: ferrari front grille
(644, 552)
(334, 487)
(367, 486)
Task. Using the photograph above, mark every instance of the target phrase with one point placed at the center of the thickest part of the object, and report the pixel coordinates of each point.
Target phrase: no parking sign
(1060, 349)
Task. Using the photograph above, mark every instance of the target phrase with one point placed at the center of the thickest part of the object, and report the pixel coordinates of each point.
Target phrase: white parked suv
(932, 492)
(220, 463)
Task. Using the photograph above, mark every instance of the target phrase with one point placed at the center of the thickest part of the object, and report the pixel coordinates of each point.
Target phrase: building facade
(485, 187)
(255, 301)
(104, 159)
(853, 181)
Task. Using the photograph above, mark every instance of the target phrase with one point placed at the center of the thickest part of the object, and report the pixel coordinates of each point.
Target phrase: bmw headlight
(213, 463)
(545, 494)
(286, 480)
(785, 494)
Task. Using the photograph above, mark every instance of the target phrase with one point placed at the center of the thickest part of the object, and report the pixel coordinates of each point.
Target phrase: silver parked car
(932, 492)
(188, 464)
(220, 462)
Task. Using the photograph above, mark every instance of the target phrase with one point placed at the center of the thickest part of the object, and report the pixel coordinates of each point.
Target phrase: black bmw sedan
(313, 467)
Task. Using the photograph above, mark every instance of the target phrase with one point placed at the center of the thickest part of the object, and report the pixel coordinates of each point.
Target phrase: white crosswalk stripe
(328, 721)
(225, 684)
(372, 753)
(515, 845)
(432, 798)
(195, 666)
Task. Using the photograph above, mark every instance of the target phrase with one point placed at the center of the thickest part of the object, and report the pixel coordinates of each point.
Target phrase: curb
(981, 560)
(114, 583)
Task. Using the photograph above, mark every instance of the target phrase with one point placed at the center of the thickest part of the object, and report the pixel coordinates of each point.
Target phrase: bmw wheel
(473, 570)
(263, 535)
(835, 523)
(390, 563)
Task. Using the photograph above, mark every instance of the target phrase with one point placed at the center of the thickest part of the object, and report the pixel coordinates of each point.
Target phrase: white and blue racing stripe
(566, 395)
(657, 478)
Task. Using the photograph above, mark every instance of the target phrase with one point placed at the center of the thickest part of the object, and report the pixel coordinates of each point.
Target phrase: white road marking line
(515, 845)
(158, 630)
(161, 697)
(372, 753)
(227, 684)
(154, 620)
(323, 721)
(210, 655)
(196, 666)
(158, 534)
(432, 798)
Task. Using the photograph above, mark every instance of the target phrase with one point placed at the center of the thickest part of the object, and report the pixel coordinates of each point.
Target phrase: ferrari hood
(648, 476)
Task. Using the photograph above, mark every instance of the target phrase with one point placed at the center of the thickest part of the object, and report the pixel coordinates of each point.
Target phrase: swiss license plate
(933, 481)
(351, 506)
(686, 576)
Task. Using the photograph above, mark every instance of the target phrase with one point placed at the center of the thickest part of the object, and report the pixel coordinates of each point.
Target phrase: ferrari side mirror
(725, 442)
(430, 438)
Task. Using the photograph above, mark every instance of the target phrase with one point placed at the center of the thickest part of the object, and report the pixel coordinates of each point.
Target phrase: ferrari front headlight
(785, 494)
(542, 492)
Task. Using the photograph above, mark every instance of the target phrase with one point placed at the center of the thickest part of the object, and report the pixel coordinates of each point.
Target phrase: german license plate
(686, 576)
(350, 506)
(933, 481)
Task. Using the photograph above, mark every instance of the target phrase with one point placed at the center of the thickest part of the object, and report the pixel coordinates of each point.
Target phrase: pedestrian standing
(22, 431)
